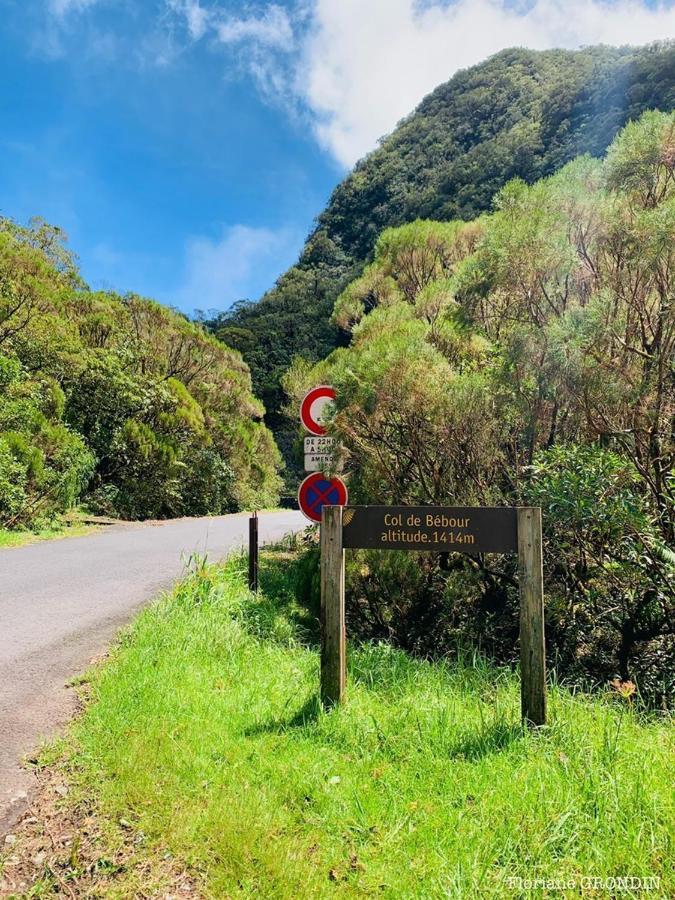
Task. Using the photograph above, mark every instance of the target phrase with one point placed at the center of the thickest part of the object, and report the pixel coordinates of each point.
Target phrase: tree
(529, 357)
(520, 114)
(116, 401)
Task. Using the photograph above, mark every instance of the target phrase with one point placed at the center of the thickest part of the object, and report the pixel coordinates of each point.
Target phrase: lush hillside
(526, 358)
(117, 401)
(520, 114)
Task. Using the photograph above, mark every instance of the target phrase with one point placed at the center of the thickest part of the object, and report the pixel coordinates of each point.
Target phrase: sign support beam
(333, 628)
(253, 552)
(532, 648)
(445, 529)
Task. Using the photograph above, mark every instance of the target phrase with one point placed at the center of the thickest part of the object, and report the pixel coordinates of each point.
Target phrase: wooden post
(532, 648)
(253, 552)
(333, 631)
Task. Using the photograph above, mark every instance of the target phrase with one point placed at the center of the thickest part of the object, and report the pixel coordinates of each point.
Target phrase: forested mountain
(521, 114)
(116, 400)
(525, 358)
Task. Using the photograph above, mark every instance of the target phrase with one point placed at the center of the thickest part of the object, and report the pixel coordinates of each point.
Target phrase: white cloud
(271, 29)
(262, 45)
(49, 39)
(61, 8)
(367, 63)
(196, 17)
(239, 265)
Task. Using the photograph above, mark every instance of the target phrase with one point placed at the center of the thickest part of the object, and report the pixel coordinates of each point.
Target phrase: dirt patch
(63, 845)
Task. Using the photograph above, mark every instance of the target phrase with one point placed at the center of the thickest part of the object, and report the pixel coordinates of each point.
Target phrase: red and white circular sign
(317, 491)
(314, 406)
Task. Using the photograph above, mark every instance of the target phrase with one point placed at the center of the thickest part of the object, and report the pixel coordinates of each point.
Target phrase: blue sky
(186, 145)
(150, 165)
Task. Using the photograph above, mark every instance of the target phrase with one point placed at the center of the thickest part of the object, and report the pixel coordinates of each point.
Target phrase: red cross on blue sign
(317, 491)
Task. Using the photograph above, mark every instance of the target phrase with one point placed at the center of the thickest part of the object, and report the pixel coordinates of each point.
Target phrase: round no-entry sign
(317, 491)
(313, 408)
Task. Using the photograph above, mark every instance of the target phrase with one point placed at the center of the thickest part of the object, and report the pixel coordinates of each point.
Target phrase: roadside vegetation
(204, 738)
(58, 529)
(525, 358)
(116, 401)
(522, 113)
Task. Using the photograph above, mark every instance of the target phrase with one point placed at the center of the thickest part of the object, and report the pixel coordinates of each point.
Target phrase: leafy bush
(44, 465)
(611, 590)
(525, 357)
(13, 478)
(117, 400)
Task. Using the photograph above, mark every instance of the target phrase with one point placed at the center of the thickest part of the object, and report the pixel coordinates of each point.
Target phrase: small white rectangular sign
(318, 462)
(319, 444)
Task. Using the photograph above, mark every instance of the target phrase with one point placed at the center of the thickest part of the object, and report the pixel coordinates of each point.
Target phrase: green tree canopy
(530, 357)
(117, 400)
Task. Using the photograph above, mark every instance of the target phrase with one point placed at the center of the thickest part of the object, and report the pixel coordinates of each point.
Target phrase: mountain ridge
(520, 113)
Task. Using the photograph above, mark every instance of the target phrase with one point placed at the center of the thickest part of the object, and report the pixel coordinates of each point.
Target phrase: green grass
(14, 538)
(206, 733)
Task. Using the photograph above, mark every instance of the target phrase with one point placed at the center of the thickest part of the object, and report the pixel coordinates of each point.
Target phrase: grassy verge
(11, 538)
(205, 734)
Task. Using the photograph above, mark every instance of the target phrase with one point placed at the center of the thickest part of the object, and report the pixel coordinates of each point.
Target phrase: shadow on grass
(286, 593)
(485, 741)
(308, 714)
(288, 605)
(471, 744)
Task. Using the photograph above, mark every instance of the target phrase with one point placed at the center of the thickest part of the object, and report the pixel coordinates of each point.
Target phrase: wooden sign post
(333, 628)
(253, 552)
(532, 647)
(441, 529)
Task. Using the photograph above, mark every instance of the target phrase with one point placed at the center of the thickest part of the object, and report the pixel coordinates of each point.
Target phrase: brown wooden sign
(452, 529)
(437, 529)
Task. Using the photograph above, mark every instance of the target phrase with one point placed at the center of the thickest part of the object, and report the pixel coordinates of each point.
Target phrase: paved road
(61, 603)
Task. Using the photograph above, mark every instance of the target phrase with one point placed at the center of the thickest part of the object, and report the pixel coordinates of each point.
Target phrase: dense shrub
(116, 401)
(44, 465)
(522, 113)
(13, 478)
(610, 580)
(526, 357)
